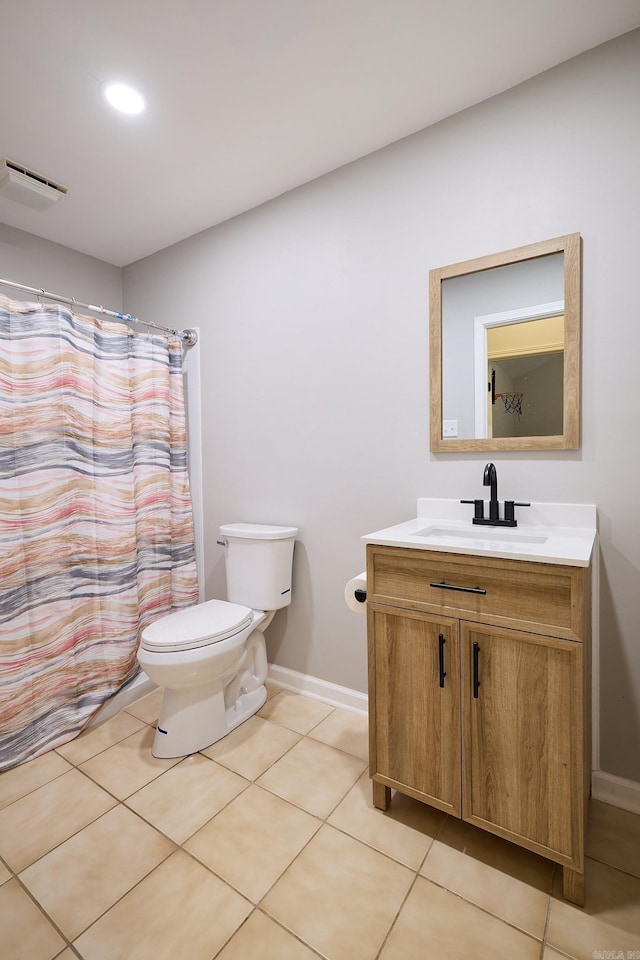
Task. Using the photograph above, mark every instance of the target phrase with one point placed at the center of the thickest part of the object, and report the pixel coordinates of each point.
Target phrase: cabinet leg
(381, 795)
(573, 886)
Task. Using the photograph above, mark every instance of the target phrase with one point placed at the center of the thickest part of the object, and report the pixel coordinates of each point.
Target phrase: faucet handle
(478, 508)
(510, 513)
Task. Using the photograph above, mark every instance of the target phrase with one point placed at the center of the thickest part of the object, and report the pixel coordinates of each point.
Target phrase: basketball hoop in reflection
(512, 402)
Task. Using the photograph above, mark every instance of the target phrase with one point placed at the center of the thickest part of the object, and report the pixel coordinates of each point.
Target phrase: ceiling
(247, 98)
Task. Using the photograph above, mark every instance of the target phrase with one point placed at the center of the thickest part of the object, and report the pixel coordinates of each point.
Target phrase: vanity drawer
(543, 598)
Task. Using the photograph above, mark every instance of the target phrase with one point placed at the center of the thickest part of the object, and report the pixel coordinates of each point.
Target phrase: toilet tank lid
(257, 531)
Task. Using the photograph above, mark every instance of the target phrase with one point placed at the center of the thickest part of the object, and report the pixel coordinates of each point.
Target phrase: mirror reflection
(523, 366)
(508, 345)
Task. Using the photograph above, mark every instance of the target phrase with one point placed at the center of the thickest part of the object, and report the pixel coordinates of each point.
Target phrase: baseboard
(616, 791)
(322, 690)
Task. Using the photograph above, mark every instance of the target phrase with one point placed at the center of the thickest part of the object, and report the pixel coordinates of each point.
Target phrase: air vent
(28, 187)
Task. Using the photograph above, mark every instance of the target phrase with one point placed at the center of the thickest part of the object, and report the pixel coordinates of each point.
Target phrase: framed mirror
(504, 340)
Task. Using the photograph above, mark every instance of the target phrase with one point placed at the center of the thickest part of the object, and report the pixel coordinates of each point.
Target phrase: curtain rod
(190, 337)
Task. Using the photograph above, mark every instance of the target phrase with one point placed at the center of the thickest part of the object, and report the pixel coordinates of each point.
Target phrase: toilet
(211, 658)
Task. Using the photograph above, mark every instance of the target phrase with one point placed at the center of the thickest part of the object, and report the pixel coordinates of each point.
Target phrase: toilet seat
(197, 626)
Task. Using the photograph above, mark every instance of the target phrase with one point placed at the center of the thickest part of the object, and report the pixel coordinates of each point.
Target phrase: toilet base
(194, 718)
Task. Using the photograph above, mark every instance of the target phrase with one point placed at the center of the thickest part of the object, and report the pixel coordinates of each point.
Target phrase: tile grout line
(77, 764)
(547, 918)
(611, 866)
(180, 846)
(291, 933)
(306, 733)
(42, 910)
(398, 912)
(118, 802)
(71, 835)
(257, 906)
(137, 884)
(74, 766)
(508, 923)
(39, 786)
(67, 939)
(321, 821)
(228, 883)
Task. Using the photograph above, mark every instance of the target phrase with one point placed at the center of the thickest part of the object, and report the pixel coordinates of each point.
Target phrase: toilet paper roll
(355, 593)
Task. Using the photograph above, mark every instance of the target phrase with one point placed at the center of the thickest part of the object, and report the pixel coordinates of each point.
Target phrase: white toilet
(211, 658)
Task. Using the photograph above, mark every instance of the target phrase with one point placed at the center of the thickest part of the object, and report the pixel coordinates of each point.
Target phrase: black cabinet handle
(476, 680)
(441, 643)
(451, 586)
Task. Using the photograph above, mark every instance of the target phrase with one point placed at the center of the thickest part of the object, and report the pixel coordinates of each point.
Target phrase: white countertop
(546, 532)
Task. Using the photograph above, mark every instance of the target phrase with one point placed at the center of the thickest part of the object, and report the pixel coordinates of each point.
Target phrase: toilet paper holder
(355, 593)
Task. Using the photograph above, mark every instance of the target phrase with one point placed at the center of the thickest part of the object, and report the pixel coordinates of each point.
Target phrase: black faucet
(490, 479)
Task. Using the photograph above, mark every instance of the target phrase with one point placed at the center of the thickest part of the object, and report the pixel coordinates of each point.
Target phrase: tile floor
(265, 846)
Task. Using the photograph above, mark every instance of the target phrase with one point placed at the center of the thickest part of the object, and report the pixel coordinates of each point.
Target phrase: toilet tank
(259, 561)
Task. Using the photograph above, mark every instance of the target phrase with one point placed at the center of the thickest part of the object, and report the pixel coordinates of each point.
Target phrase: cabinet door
(522, 730)
(414, 705)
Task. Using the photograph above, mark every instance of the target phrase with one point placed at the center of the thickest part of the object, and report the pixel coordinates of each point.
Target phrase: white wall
(313, 317)
(49, 266)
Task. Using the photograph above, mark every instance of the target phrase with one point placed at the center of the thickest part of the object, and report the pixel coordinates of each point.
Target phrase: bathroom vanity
(479, 672)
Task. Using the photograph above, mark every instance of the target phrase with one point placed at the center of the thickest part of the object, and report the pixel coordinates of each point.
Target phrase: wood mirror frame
(569, 245)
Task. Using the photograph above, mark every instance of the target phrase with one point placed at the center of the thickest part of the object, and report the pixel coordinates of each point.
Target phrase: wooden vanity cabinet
(478, 705)
(415, 721)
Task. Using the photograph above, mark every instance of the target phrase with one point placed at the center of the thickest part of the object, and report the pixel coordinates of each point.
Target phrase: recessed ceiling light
(124, 98)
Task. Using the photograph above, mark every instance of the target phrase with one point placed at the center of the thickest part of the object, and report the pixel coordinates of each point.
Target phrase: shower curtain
(96, 528)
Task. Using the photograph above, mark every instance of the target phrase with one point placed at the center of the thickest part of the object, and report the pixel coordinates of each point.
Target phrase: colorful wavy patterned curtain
(96, 528)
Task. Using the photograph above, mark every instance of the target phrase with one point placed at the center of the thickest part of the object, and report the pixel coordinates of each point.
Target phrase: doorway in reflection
(525, 363)
(539, 380)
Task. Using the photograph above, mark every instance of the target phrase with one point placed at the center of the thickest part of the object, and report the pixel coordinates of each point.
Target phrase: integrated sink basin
(545, 532)
(479, 534)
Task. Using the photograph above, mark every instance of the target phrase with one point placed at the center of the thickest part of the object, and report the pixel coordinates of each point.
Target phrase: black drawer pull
(441, 643)
(476, 678)
(452, 586)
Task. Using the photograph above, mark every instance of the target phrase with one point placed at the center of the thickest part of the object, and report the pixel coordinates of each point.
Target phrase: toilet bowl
(211, 658)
